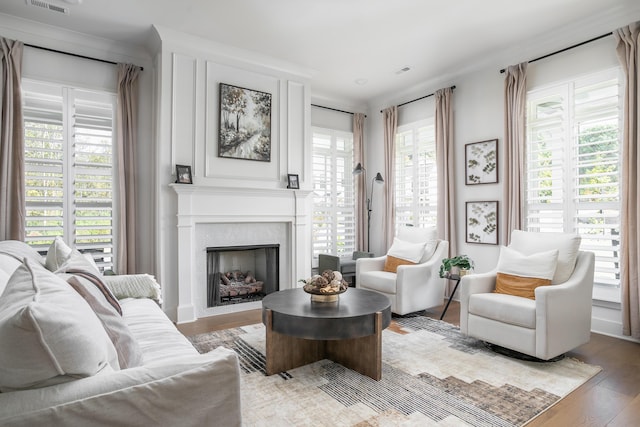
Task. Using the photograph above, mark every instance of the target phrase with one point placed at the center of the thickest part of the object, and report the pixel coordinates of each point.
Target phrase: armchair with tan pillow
(537, 301)
(408, 273)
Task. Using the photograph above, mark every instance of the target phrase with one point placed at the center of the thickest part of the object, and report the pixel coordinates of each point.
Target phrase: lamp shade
(378, 179)
(359, 169)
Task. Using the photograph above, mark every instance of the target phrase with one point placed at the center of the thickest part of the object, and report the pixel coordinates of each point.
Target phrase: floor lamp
(359, 169)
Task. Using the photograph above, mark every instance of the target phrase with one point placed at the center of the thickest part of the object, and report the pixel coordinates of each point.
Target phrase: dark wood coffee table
(349, 331)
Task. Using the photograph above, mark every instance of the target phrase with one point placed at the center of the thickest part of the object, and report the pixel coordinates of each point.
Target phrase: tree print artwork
(245, 124)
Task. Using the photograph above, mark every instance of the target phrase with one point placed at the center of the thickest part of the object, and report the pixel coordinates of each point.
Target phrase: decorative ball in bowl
(325, 287)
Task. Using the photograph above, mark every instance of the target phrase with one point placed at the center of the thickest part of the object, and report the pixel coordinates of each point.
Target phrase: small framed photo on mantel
(183, 174)
(293, 181)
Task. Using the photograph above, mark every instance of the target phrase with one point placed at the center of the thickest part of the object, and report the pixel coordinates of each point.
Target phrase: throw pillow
(57, 254)
(567, 244)
(129, 352)
(138, 286)
(20, 250)
(403, 253)
(392, 263)
(520, 274)
(78, 265)
(407, 250)
(48, 333)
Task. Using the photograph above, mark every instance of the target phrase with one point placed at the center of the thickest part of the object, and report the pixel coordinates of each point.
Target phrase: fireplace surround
(214, 216)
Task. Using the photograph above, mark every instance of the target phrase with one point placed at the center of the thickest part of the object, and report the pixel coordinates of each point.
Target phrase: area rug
(431, 376)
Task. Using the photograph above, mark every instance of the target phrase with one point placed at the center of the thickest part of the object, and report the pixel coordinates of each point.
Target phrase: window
(573, 168)
(69, 167)
(416, 186)
(334, 230)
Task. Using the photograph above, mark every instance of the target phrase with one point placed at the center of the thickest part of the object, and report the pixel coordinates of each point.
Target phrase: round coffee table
(349, 331)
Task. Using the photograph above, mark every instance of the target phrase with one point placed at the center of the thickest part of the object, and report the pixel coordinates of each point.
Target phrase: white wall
(190, 70)
(478, 115)
(64, 69)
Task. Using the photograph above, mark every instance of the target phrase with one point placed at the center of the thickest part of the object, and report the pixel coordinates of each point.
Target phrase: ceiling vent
(48, 6)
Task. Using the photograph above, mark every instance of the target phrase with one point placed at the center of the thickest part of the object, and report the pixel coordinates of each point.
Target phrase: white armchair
(556, 321)
(413, 287)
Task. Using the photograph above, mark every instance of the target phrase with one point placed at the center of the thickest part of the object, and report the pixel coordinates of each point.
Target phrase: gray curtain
(515, 105)
(12, 180)
(628, 39)
(390, 118)
(127, 125)
(446, 169)
(361, 188)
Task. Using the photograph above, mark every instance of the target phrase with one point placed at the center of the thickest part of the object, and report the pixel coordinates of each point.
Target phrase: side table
(457, 278)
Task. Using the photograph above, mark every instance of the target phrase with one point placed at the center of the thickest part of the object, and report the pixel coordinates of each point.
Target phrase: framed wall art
(481, 162)
(183, 174)
(245, 124)
(293, 181)
(482, 222)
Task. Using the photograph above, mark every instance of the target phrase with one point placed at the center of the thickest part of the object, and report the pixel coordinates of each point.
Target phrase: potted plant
(461, 263)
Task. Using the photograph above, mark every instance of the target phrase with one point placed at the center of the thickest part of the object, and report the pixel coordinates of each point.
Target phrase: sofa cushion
(156, 335)
(48, 333)
(519, 274)
(567, 245)
(504, 308)
(382, 281)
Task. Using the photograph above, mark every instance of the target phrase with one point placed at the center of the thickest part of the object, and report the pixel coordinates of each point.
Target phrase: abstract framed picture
(482, 222)
(245, 124)
(481, 162)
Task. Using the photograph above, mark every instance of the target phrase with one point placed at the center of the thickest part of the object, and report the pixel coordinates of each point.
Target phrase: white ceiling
(346, 41)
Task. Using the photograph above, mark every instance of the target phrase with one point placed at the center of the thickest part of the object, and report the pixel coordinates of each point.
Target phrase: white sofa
(58, 369)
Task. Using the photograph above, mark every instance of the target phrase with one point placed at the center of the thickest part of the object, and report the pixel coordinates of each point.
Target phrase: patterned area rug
(431, 376)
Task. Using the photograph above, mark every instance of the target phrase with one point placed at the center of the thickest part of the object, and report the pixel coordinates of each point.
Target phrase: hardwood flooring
(611, 398)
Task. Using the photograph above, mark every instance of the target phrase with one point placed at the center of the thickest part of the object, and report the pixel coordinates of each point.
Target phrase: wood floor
(611, 398)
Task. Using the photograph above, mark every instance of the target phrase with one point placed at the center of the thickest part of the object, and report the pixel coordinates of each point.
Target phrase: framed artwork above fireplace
(245, 124)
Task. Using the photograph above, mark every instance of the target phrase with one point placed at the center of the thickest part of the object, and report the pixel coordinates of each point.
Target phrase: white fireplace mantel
(215, 205)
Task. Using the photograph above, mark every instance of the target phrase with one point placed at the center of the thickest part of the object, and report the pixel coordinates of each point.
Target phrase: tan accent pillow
(519, 286)
(391, 263)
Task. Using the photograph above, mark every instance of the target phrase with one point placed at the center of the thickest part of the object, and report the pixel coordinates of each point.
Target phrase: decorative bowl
(322, 295)
(325, 287)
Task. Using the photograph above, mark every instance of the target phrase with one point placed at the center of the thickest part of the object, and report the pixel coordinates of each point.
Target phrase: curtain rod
(565, 49)
(418, 99)
(74, 54)
(333, 109)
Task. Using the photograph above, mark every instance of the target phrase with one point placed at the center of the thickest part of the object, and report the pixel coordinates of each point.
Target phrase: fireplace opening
(237, 274)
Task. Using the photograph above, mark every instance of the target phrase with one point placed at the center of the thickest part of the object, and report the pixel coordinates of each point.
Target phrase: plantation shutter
(44, 166)
(416, 183)
(69, 163)
(333, 193)
(573, 175)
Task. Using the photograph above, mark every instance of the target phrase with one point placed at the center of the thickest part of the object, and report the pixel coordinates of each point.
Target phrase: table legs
(450, 298)
(363, 355)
